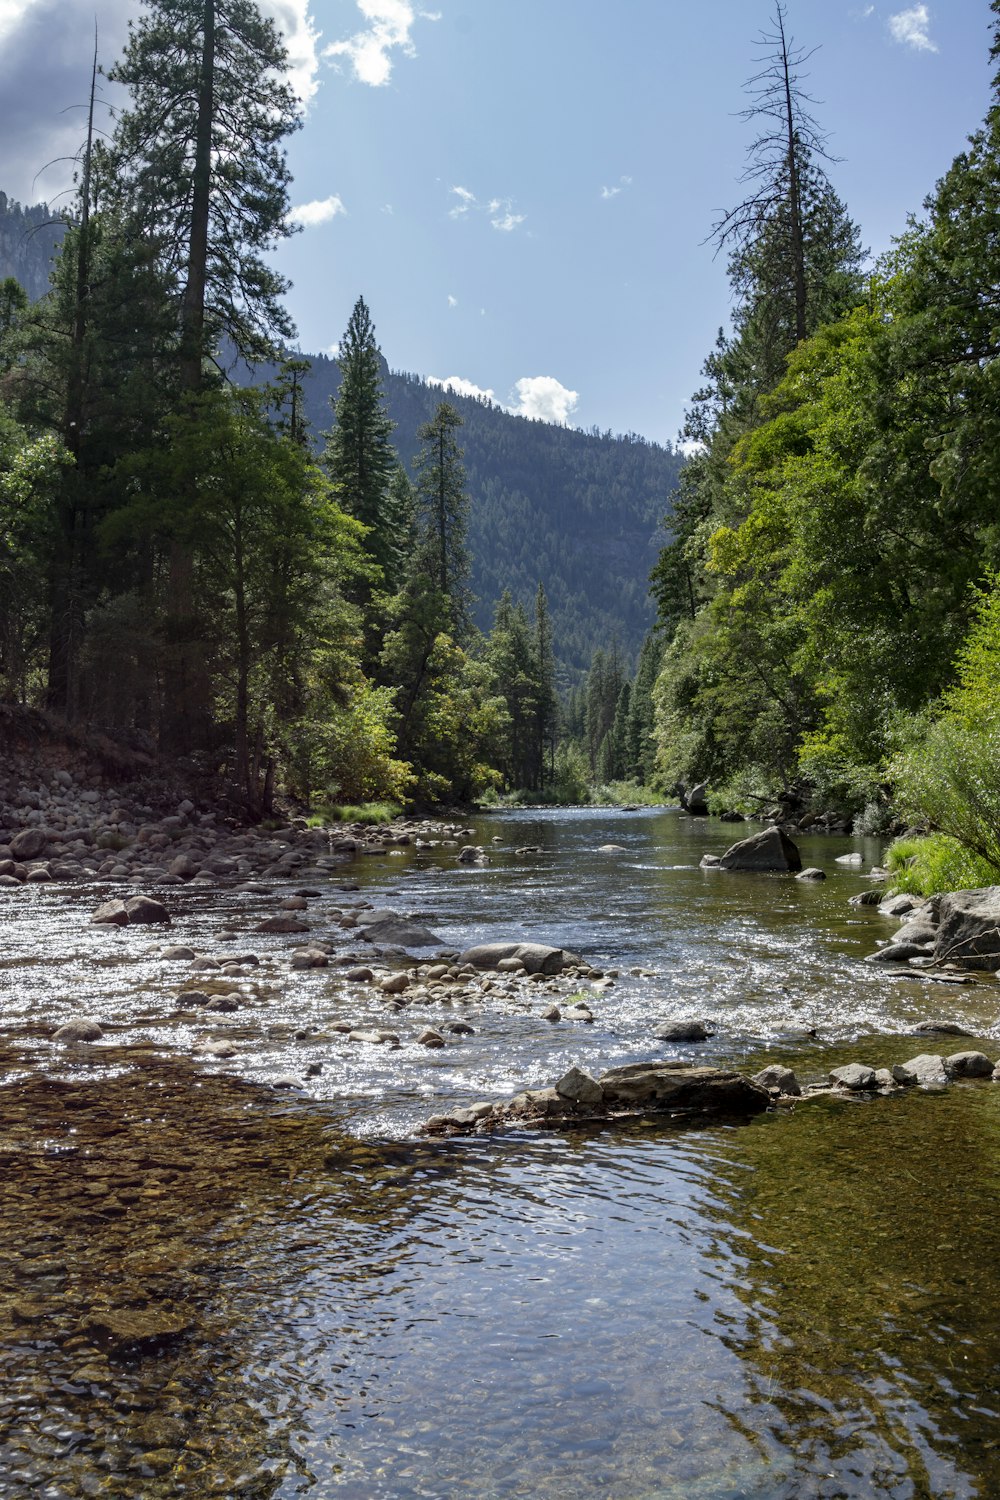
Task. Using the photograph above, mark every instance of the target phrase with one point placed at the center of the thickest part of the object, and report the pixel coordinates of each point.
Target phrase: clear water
(804, 1306)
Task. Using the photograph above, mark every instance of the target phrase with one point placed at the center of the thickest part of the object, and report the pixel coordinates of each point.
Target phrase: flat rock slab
(639, 1089)
(771, 850)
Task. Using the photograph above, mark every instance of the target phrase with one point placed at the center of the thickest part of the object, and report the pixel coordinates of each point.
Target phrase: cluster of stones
(510, 971)
(503, 970)
(682, 1089)
(58, 830)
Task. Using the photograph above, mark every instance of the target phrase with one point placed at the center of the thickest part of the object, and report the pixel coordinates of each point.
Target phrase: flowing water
(322, 1304)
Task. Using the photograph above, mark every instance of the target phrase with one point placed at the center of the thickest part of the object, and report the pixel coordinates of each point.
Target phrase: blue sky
(522, 189)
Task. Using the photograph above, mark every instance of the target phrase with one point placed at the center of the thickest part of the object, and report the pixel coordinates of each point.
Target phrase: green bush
(926, 866)
(949, 775)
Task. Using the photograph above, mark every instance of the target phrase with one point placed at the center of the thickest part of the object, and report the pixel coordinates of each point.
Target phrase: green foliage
(949, 775)
(374, 813)
(571, 775)
(927, 866)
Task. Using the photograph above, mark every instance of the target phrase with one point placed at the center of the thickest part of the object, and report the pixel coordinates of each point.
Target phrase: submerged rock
(682, 1031)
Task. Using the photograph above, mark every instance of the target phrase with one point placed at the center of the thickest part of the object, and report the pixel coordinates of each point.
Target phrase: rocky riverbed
(217, 1199)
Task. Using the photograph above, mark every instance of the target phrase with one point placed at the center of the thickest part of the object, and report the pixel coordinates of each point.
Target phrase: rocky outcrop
(771, 850)
(968, 929)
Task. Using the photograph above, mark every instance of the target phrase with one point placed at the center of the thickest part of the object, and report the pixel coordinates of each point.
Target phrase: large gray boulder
(969, 929)
(928, 1069)
(537, 958)
(770, 850)
(28, 844)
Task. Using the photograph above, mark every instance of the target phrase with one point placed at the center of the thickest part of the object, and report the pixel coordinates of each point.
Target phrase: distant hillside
(29, 238)
(576, 511)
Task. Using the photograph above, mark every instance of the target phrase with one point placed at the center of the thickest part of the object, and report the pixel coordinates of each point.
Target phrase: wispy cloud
(543, 398)
(319, 211)
(500, 210)
(466, 200)
(503, 217)
(608, 193)
(460, 386)
(370, 51)
(912, 28)
(452, 301)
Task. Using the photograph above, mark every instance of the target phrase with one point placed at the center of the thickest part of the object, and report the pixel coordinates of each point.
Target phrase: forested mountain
(577, 511)
(28, 240)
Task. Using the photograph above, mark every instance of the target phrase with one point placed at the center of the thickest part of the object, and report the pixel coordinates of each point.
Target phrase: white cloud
(466, 200)
(11, 15)
(911, 28)
(452, 301)
(612, 192)
(507, 221)
(300, 38)
(545, 399)
(460, 386)
(320, 211)
(500, 210)
(369, 52)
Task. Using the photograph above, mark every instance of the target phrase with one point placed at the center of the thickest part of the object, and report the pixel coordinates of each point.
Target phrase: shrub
(926, 866)
(949, 775)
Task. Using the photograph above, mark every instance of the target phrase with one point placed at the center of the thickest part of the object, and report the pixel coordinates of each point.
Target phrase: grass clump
(927, 866)
(361, 812)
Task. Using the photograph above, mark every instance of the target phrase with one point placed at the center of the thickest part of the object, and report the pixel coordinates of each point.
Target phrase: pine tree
(443, 514)
(197, 164)
(196, 168)
(359, 457)
(547, 699)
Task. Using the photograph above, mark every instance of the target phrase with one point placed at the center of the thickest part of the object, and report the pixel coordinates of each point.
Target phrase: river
(802, 1306)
